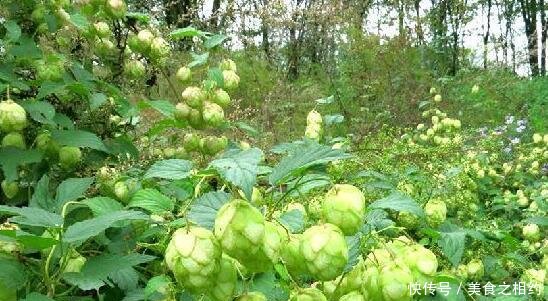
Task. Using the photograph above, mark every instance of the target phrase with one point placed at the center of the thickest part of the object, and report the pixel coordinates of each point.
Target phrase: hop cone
(252, 296)
(344, 207)
(353, 296)
(275, 237)
(308, 294)
(240, 228)
(13, 117)
(193, 256)
(292, 256)
(225, 281)
(325, 251)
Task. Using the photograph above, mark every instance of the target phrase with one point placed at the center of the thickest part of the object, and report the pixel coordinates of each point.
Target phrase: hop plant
(102, 29)
(10, 189)
(13, 117)
(224, 280)
(221, 98)
(240, 228)
(531, 232)
(353, 296)
(436, 212)
(194, 97)
(275, 237)
(344, 207)
(308, 294)
(116, 8)
(292, 256)
(325, 251)
(14, 139)
(475, 269)
(193, 255)
(231, 79)
(182, 111)
(252, 296)
(191, 142)
(395, 280)
(314, 117)
(121, 190)
(183, 74)
(134, 69)
(213, 114)
(69, 156)
(227, 64)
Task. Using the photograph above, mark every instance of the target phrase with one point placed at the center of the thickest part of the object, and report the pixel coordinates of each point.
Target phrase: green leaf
(12, 273)
(78, 20)
(35, 242)
(126, 279)
(40, 111)
(97, 270)
(79, 138)
(102, 205)
(172, 169)
(151, 200)
(186, 32)
(165, 107)
(33, 216)
(204, 209)
(63, 121)
(11, 158)
(81, 231)
(248, 129)
(302, 158)
(41, 197)
(303, 185)
(267, 284)
(239, 167)
(354, 250)
(122, 145)
(452, 242)
(198, 59)
(26, 48)
(71, 189)
(293, 220)
(142, 18)
(48, 88)
(97, 100)
(333, 119)
(216, 75)
(13, 31)
(326, 100)
(214, 40)
(539, 220)
(398, 201)
(36, 297)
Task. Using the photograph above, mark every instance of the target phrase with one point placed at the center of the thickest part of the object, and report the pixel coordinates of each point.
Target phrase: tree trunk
(420, 34)
(529, 15)
(214, 20)
(544, 37)
(487, 32)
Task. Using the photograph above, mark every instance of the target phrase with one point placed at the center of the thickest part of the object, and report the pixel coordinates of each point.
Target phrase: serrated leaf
(97, 270)
(165, 107)
(293, 220)
(13, 31)
(48, 88)
(41, 197)
(214, 40)
(172, 169)
(79, 20)
(303, 185)
(354, 250)
(126, 279)
(267, 284)
(81, 231)
(151, 200)
(36, 297)
(452, 242)
(198, 59)
(302, 158)
(33, 216)
(539, 220)
(333, 119)
(12, 157)
(248, 129)
(97, 100)
(79, 138)
(326, 100)
(376, 219)
(204, 209)
(181, 33)
(398, 201)
(215, 74)
(71, 190)
(122, 145)
(239, 167)
(102, 205)
(143, 18)
(34, 242)
(40, 111)
(12, 273)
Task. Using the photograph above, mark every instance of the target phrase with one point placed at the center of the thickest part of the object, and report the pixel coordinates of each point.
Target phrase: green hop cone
(13, 117)
(135, 69)
(314, 117)
(121, 191)
(395, 280)
(182, 111)
(74, 263)
(221, 97)
(344, 207)
(225, 281)
(353, 296)
(69, 156)
(352, 281)
(116, 8)
(231, 79)
(10, 189)
(195, 119)
(475, 269)
(191, 142)
(240, 228)
(436, 212)
(275, 237)
(292, 256)
(531, 232)
(159, 50)
(408, 220)
(308, 294)
(14, 139)
(252, 296)
(101, 29)
(183, 75)
(213, 114)
(421, 260)
(325, 251)
(194, 97)
(193, 255)
(227, 64)
(313, 131)
(212, 145)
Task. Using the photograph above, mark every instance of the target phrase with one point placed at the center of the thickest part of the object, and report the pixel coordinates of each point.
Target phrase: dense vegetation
(142, 158)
